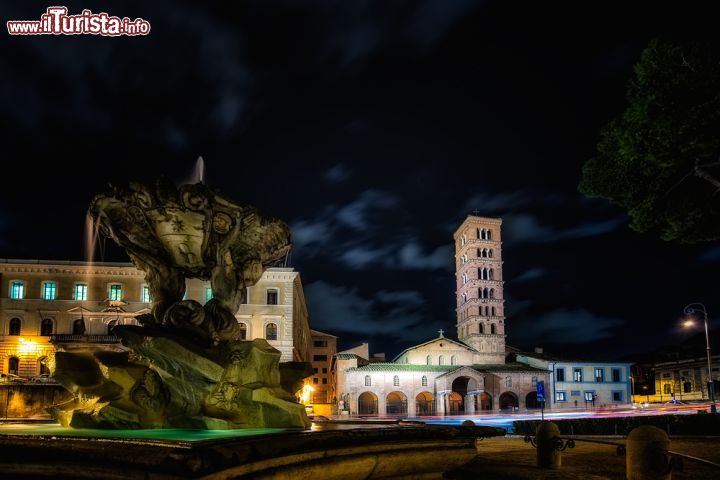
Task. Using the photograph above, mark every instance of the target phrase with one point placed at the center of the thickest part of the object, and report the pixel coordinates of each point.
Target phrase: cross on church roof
(440, 332)
(476, 212)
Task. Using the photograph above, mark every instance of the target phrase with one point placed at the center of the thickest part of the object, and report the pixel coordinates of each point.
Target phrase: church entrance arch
(396, 404)
(531, 401)
(485, 401)
(456, 404)
(508, 401)
(367, 404)
(460, 387)
(424, 404)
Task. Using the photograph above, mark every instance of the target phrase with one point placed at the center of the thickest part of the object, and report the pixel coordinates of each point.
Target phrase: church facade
(444, 376)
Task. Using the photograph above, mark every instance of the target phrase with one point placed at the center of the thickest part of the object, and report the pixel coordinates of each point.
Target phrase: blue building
(576, 383)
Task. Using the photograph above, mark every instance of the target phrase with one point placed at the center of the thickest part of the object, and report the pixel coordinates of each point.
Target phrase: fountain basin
(332, 453)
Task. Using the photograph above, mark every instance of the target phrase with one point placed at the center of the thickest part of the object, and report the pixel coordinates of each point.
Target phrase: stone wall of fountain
(185, 365)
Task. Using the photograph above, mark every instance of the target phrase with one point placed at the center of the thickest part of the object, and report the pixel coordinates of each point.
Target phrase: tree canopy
(660, 159)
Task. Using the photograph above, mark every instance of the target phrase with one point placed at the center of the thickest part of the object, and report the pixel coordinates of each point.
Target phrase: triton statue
(186, 366)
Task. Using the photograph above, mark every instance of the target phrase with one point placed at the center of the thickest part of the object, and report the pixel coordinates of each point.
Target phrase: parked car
(44, 378)
(11, 378)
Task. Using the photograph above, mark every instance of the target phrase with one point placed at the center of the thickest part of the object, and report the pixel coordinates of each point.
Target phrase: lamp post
(690, 311)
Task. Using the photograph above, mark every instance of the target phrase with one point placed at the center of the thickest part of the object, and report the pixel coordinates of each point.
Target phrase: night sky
(372, 128)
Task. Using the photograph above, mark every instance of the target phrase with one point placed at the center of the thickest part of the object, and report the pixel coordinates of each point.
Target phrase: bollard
(646, 457)
(546, 440)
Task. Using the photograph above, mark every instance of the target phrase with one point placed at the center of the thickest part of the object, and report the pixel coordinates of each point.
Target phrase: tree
(660, 159)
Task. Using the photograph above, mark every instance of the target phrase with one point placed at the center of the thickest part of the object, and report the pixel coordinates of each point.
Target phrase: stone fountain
(185, 365)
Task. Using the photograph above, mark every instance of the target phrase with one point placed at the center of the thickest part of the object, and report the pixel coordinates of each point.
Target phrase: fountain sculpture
(185, 365)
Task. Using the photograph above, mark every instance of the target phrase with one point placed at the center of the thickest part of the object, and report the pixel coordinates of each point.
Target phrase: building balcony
(62, 338)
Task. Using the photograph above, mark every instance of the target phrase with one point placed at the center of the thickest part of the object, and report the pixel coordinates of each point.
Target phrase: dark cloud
(711, 255)
(529, 275)
(528, 228)
(396, 314)
(373, 127)
(337, 173)
(566, 326)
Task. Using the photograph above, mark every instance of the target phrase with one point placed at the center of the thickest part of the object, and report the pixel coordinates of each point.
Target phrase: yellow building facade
(46, 306)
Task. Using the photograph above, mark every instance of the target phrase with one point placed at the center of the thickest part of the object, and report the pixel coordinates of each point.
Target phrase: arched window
(491, 274)
(493, 329)
(243, 331)
(493, 311)
(46, 327)
(508, 382)
(464, 297)
(14, 327)
(481, 293)
(441, 360)
(489, 253)
(463, 240)
(492, 293)
(424, 381)
(453, 360)
(42, 366)
(482, 328)
(396, 381)
(368, 382)
(270, 331)
(78, 327)
(428, 360)
(464, 278)
(479, 253)
(13, 365)
(478, 233)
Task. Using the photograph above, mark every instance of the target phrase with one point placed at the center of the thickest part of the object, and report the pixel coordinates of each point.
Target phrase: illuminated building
(682, 379)
(47, 306)
(323, 350)
(442, 375)
(576, 383)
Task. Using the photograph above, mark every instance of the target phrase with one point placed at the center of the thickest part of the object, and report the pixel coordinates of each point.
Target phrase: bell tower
(480, 299)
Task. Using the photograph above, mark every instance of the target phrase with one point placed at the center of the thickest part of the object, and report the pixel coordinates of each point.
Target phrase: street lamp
(690, 311)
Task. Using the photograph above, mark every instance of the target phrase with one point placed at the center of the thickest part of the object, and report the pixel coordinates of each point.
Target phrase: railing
(680, 457)
(561, 443)
(645, 447)
(85, 339)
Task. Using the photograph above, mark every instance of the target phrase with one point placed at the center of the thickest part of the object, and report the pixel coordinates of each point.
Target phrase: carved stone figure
(186, 366)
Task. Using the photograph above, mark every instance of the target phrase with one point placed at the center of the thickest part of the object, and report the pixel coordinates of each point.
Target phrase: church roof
(404, 367)
(441, 337)
(507, 368)
(407, 367)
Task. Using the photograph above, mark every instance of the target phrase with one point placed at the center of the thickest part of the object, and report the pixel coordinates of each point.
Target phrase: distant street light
(690, 311)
